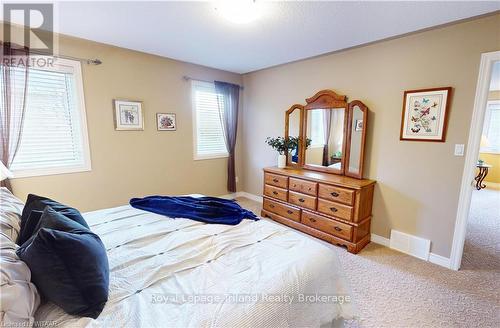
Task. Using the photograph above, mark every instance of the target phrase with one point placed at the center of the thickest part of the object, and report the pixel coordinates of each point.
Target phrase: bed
(182, 273)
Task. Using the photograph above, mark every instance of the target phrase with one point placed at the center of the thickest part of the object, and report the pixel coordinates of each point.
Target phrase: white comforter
(181, 273)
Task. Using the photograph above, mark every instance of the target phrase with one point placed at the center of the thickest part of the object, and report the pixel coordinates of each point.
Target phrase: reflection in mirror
(356, 140)
(294, 132)
(325, 128)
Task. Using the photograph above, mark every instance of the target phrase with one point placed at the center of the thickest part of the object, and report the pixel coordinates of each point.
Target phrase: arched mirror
(358, 115)
(293, 132)
(325, 119)
(328, 134)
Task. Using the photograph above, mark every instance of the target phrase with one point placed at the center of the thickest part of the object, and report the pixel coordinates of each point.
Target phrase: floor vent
(409, 244)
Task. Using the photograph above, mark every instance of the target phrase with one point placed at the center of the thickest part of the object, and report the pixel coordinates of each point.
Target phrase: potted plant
(284, 146)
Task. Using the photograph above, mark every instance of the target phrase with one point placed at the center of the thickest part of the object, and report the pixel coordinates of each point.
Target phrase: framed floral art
(425, 114)
(166, 122)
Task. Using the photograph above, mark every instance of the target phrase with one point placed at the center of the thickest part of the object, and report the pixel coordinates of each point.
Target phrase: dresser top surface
(321, 177)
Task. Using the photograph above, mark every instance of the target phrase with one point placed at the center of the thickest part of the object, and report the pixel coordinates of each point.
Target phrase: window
(490, 142)
(317, 134)
(54, 137)
(209, 141)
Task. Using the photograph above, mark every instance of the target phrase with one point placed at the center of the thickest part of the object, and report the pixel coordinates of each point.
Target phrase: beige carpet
(392, 289)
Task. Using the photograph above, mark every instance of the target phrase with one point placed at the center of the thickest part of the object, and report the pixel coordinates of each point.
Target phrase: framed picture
(166, 122)
(128, 115)
(425, 114)
(359, 125)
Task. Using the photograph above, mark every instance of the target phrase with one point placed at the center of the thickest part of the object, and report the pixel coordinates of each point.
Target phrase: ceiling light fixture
(239, 11)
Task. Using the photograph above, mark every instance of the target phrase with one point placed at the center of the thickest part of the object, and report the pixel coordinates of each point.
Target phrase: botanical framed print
(166, 122)
(128, 115)
(425, 114)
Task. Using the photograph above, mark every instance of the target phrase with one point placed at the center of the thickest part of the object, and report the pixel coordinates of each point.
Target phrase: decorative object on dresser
(283, 146)
(321, 191)
(425, 114)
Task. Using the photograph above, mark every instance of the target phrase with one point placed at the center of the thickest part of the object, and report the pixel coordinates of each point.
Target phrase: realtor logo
(33, 25)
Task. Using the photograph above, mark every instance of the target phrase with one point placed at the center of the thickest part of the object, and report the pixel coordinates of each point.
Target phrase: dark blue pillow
(28, 226)
(69, 266)
(38, 203)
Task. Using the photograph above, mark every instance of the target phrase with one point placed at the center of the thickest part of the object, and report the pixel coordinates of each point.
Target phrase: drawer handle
(275, 192)
(333, 209)
(271, 206)
(312, 220)
(289, 212)
(337, 229)
(309, 188)
(334, 194)
(294, 185)
(302, 200)
(275, 180)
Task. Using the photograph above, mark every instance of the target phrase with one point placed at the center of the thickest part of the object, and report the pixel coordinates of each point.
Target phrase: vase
(281, 161)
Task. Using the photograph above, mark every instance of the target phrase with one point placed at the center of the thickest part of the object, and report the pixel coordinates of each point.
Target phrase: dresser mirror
(325, 129)
(293, 131)
(358, 114)
(334, 130)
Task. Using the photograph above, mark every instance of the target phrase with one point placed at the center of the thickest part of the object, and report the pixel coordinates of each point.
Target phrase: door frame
(471, 156)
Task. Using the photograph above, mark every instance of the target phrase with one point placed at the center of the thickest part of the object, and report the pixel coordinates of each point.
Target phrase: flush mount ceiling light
(239, 11)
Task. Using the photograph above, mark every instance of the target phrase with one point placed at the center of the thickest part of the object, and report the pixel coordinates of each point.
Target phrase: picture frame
(359, 125)
(425, 114)
(166, 122)
(128, 115)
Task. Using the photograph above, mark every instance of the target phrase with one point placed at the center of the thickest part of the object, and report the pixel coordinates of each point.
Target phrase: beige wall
(128, 164)
(418, 182)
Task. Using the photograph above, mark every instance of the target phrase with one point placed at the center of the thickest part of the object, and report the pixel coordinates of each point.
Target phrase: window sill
(206, 157)
(19, 174)
(489, 151)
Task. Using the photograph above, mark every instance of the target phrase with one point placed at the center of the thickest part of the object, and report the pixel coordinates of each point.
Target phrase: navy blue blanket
(204, 209)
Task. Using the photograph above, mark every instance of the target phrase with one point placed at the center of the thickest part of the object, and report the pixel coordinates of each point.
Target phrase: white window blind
(491, 129)
(208, 131)
(54, 135)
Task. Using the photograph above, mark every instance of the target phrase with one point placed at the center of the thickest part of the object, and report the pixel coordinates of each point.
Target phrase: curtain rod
(188, 78)
(94, 61)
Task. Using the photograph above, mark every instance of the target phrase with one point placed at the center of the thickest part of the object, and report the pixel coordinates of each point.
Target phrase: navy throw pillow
(38, 203)
(28, 228)
(69, 266)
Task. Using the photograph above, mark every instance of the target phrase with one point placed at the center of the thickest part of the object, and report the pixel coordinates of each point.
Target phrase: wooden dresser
(331, 207)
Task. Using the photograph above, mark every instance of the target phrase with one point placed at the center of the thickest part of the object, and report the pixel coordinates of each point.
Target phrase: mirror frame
(364, 109)
(300, 108)
(324, 99)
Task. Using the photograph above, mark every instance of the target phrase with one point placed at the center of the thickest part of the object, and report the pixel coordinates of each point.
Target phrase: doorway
(478, 214)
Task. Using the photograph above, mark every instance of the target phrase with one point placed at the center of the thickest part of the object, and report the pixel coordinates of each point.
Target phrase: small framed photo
(425, 114)
(359, 125)
(128, 115)
(166, 122)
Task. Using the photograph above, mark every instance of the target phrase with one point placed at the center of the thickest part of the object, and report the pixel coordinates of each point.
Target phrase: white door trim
(471, 156)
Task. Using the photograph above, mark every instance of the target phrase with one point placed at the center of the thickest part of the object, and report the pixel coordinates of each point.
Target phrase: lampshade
(4, 172)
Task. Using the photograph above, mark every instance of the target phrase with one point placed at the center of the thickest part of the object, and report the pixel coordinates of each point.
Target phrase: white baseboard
(380, 240)
(433, 258)
(440, 260)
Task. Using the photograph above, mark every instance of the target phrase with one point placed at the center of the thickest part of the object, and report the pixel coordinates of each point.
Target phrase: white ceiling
(288, 31)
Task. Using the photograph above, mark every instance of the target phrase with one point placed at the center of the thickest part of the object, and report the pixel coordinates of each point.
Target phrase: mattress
(168, 272)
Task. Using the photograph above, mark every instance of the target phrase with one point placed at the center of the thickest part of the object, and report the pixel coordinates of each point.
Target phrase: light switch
(459, 149)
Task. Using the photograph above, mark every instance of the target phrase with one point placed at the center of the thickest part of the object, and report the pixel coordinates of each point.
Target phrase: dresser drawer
(302, 200)
(276, 180)
(275, 192)
(335, 209)
(327, 225)
(303, 186)
(282, 209)
(337, 194)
